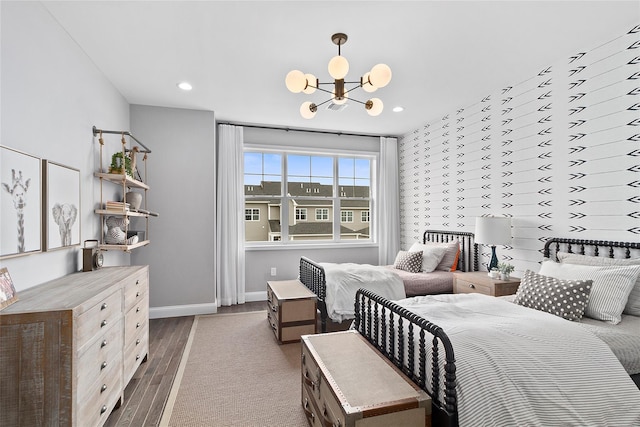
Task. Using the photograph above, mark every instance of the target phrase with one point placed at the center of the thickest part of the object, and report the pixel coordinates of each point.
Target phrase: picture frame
(61, 206)
(8, 293)
(20, 203)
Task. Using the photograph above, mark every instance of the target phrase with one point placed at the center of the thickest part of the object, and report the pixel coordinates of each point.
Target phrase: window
(301, 214)
(303, 196)
(346, 216)
(252, 214)
(322, 214)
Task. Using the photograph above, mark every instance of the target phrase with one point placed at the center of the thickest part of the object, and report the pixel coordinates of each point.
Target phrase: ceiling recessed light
(185, 86)
(398, 109)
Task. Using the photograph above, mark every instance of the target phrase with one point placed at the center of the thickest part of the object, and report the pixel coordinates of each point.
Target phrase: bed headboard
(602, 248)
(468, 260)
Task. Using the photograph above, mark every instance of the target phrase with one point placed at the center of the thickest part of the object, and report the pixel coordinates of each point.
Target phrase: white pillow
(633, 303)
(431, 255)
(611, 286)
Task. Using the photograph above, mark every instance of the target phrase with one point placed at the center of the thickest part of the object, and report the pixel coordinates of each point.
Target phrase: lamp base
(494, 259)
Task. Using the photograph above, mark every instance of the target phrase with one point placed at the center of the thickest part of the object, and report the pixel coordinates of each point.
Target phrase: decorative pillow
(633, 303)
(408, 261)
(563, 298)
(449, 261)
(431, 255)
(610, 290)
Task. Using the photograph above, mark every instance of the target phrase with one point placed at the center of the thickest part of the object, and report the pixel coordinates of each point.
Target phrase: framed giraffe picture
(20, 203)
(61, 206)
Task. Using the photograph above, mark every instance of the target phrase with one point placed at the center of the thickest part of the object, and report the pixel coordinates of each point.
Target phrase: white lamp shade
(380, 75)
(295, 81)
(307, 111)
(338, 67)
(493, 230)
(366, 84)
(311, 84)
(376, 108)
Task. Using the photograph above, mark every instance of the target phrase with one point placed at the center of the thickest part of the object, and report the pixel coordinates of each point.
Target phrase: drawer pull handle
(103, 388)
(137, 341)
(307, 412)
(104, 343)
(137, 309)
(137, 325)
(104, 306)
(103, 365)
(137, 357)
(472, 286)
(103, 323)
(138, 282)
(137, 294)
(326, 421)
(308, 381)
(103, 409)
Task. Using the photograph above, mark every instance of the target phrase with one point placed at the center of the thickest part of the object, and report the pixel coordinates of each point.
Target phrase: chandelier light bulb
(311, 84)
(366, 84)
(374, 106)
(380, 75)
(308, 110)
(338, 67)
(296, 81)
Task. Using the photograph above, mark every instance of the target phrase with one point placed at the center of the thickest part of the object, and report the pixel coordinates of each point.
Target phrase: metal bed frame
(313, 277)
(395, 331)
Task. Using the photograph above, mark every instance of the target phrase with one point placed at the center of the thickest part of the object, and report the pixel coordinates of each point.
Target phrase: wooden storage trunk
(347, 383)
(292, 310)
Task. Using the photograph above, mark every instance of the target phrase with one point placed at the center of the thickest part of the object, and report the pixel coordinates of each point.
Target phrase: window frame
(335, 154)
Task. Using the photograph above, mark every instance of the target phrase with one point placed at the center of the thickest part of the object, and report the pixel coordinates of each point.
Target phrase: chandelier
(379, 76)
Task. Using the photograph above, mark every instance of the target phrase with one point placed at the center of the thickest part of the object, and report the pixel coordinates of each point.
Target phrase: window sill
(297, 246)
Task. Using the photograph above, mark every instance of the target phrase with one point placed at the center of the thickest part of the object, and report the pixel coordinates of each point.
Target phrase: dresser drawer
(98, 318)
(465, 287)
(99, 355)
(135, 288)
(135, 353)
(100, 398)
(135, 319)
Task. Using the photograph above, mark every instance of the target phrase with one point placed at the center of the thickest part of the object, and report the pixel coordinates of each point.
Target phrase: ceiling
(236, 54)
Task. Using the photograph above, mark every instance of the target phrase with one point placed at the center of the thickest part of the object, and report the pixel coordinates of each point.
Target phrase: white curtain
(388, 202)
(230, 272)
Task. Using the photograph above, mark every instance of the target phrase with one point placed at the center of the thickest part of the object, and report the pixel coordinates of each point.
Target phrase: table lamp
(493, 230)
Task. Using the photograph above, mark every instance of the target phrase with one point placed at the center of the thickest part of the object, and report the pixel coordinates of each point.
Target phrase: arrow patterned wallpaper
(558, 152)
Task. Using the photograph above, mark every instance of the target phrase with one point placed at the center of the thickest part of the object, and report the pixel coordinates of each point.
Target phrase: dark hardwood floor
(147, 392)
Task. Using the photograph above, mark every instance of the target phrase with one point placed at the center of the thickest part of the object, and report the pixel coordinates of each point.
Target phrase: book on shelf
(116, 206)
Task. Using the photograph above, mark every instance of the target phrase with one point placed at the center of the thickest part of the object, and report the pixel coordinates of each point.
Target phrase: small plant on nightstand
(505, 270)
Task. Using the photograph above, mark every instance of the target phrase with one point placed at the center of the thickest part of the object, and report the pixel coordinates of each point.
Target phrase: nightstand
(480, 282)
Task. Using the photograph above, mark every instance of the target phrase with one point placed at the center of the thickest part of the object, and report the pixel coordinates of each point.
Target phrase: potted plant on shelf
(505, 270)
(120, 164)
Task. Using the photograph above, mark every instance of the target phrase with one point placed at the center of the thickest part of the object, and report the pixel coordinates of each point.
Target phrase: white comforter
(344, 280)
(517, 366)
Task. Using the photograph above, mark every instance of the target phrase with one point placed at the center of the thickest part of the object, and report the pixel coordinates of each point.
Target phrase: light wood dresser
(348, 383)
(68, 347)
(480, 282)
(291, 310)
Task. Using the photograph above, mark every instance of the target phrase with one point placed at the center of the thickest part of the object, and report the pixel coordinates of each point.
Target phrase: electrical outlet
(273, 271)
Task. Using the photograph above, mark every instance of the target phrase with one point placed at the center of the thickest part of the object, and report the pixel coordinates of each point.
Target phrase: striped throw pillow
(610, 290)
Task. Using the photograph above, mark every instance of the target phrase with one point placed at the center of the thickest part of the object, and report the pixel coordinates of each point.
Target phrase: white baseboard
(255, 296)
(182, 310)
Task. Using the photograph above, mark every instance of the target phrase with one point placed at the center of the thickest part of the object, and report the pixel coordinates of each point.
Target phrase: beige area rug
(234, 373)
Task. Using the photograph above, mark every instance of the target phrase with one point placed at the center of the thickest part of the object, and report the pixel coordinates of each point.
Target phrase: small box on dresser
(65, 353)
(348, 383)
(480, 282)
(291, 310)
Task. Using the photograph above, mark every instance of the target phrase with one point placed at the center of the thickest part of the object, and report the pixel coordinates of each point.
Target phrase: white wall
(286, 260)
(51, 95)
(181, 174)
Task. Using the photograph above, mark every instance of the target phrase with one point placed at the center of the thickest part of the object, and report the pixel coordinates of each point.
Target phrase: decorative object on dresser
(92, 257)
(480, 282)
(493, 231)
(70, 346)
(8, 293)
(115, 215)
(20, 203)
(291, 310)
(346, 382)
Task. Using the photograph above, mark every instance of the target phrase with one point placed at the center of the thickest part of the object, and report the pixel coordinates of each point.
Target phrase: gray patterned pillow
(564, 298)
(409, 261)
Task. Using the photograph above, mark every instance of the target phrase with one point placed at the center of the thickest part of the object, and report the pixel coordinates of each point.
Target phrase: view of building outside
(316, 185)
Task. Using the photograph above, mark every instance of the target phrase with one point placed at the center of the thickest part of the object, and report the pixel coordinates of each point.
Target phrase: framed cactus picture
(20, 203)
